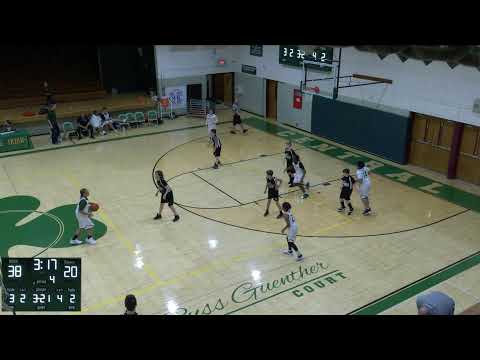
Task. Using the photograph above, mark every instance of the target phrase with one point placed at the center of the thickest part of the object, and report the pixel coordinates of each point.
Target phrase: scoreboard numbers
(14, 271)
(42, 284)
(294, 55)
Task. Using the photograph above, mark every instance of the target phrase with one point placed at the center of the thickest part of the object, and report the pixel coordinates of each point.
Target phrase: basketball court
(224, 256)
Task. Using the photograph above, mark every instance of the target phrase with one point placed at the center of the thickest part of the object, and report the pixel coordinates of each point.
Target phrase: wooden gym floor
(224, 256)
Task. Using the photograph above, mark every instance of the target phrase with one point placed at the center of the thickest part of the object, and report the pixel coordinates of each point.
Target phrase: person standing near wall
(52, 123)
(48, 94)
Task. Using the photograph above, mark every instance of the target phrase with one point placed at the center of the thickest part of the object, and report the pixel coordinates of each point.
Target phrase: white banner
(177, 96)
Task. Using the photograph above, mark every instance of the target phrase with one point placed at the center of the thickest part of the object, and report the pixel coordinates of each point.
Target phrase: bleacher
(71, 73)
(21, 97)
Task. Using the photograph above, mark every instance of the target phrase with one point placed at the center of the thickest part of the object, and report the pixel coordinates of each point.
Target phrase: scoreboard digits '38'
(42, 284)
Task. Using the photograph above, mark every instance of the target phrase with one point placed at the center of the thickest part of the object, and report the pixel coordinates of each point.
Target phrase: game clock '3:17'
(42, 284)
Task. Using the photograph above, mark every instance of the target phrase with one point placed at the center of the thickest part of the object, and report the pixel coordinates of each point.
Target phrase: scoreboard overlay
(41, 284)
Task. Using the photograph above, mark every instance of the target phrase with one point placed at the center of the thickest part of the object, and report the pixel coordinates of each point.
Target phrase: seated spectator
(83, 126)
(107, 121)
(435, 303)
(130, 305)
(96, 122)
(7, 126)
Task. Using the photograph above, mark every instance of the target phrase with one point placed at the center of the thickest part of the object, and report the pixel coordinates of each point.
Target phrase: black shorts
(345, 194)
(273, 194)
(217, 151)
(169, 199)
(236, 120)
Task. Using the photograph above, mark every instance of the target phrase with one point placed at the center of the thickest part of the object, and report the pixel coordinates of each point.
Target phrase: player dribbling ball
(83, 213)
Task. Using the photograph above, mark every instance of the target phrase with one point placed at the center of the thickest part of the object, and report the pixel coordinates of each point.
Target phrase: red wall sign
(297, 99)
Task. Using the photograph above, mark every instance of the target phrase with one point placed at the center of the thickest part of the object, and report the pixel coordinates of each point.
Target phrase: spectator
(83, 126)
(52, 122)
(7, 126)
(48, 94)
(107, 121)
(96, 122)
(435, 303)
(130, 305)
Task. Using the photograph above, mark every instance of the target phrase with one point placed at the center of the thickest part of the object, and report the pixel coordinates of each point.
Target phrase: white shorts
(84, 222)
(364, 191)
(292, 233)
(210, 130)
(297, 178)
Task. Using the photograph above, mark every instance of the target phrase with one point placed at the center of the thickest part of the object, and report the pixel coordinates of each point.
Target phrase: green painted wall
(378, 132)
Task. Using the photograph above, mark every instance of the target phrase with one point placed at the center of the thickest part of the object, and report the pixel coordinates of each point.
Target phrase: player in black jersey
(273, 184)
(290, 155)
(346, 192)
(217, 145)
(167, 195)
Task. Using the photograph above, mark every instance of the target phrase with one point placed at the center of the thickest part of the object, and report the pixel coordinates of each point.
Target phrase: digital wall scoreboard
(42, 284)
(294, 55)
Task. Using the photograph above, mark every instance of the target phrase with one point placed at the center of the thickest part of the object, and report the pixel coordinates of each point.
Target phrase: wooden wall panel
(470, 140)
(431, 140)
(468, 169)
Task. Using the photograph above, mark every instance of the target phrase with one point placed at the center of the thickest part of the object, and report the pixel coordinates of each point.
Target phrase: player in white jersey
(292, 231)
(211, 122)
(363, 186)
(84, 214)
(299, 176)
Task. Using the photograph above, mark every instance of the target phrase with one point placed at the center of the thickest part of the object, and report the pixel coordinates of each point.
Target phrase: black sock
(350, 206)
(342, 204)
(291, 246)
(75, 237)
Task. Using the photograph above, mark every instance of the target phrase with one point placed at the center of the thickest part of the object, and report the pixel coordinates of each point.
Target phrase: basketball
(94, 207)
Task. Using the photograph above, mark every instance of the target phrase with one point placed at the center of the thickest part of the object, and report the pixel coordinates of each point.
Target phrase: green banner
(15, 140)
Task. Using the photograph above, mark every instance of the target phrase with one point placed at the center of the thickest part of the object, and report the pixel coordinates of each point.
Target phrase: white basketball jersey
(364, 175)
(77, 209)
(291, 219)
(298, 169)
(211, 121)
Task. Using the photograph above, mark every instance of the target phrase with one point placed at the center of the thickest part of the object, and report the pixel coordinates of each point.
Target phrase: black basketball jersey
(271, 183)
(290, 155)
(162, 185)
(347, 182)
(216, 141)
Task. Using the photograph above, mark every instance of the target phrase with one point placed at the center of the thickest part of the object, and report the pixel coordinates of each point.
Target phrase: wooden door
(468, 167)
(228, 89)
(272, 99)
(218, 87)
(431, 141)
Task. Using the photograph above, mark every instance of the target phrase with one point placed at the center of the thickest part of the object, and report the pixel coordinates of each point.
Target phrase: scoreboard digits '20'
(42, 284)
